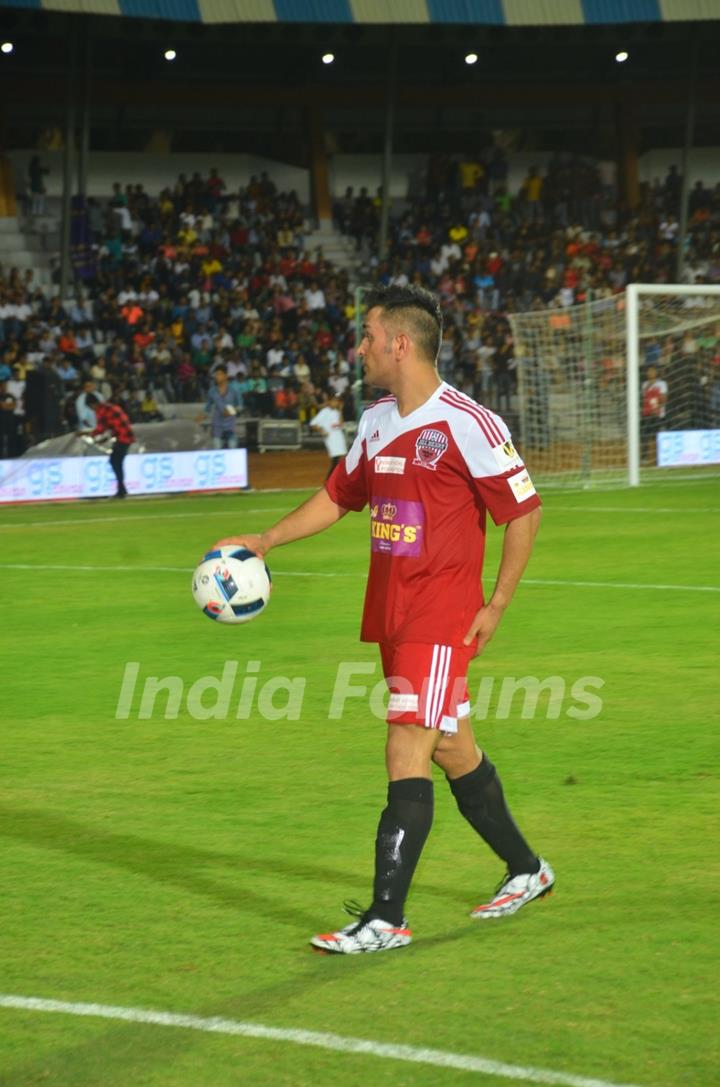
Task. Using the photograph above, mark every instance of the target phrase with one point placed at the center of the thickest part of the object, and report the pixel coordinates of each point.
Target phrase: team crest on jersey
(429, 448)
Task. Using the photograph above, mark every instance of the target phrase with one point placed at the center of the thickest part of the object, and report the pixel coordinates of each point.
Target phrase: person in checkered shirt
(111, 417)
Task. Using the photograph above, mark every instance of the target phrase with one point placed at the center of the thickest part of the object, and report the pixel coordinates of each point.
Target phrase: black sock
(404, 825)
(480, 798)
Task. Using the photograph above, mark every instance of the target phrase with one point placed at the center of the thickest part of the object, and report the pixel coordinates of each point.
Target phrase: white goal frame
(634, 294)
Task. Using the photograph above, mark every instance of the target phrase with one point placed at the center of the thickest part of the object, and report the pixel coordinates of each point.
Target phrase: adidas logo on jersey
(375, 436)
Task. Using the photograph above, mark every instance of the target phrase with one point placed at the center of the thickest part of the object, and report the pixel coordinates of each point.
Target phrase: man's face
(376, 351)
(220, 377)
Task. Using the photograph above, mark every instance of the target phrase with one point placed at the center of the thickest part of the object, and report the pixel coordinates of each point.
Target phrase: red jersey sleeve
(347, 486)
(499, 475)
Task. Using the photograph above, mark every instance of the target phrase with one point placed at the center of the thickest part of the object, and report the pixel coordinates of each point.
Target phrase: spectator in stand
(307, 403)
(86, 417)
(502, 364)
(16, 388)
(531, 195)
(286, 402)
(215, 189)
(224, 402)
(37, 173)
(8, 423)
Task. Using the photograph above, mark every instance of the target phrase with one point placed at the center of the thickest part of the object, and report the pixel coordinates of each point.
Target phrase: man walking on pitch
(430, 463)
(112, 417)
(329, 422)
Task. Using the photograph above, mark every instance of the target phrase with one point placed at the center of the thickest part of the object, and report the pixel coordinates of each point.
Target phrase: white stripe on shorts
(434, 704)
(444, 685)
(431, 684)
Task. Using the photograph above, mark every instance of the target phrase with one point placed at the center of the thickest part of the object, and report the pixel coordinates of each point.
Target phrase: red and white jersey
(654, 397)
(429, 479)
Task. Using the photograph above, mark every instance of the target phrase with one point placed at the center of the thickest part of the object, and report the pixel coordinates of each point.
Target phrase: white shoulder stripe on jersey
(483, 418)
(482, 413)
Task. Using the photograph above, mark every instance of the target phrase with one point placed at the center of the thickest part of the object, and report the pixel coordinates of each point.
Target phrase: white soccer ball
(231, 585)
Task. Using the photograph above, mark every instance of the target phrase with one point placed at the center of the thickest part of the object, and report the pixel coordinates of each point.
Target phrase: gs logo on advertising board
(45, 477)
(156, 470)
(209, 467)
(98, 477)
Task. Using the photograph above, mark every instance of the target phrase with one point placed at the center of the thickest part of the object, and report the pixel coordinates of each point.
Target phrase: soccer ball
(231, 585)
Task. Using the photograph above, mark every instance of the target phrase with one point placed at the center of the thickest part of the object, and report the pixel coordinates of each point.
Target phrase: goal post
(605, 387)
(671, 310)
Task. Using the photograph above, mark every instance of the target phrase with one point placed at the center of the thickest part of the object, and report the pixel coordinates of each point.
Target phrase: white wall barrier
(36, 480)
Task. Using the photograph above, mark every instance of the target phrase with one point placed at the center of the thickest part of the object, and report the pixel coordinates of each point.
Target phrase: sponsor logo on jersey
(391, 466)
(521, 486)
(507, 456)
(429, 448)
(396, 526)
(375, 436)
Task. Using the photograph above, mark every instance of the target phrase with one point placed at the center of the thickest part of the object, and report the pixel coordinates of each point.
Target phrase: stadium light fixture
(328, 58)
(471, 58)
(6, 47)
(170, 54)
(622, 56)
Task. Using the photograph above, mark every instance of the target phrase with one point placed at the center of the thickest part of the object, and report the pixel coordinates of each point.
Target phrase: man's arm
(517, 546)
(315, 515)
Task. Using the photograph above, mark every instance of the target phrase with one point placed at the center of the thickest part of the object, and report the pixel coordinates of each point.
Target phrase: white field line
(141, 517)
(330, 574)
(622, 585)
(319, 1039)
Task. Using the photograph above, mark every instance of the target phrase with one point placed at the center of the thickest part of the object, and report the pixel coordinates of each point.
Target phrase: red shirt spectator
(287, 266)
(67, 343)
(132, 313)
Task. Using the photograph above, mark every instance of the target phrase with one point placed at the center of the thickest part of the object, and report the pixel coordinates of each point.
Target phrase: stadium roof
(418, 12)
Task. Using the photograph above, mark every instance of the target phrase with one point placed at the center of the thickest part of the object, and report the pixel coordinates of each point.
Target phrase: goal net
(622, 389)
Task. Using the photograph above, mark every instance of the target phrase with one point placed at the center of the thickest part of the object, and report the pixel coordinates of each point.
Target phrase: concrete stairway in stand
(338, 248)
(30, 243)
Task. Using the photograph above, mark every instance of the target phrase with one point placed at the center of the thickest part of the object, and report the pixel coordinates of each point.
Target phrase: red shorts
(427, 684)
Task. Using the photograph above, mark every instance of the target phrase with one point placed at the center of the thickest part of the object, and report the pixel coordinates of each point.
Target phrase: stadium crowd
(171, 289)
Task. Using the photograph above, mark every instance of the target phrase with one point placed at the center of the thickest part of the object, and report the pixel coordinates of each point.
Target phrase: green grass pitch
(183, 864)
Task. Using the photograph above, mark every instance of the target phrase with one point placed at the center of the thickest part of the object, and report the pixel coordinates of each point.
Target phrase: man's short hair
(414, 307)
